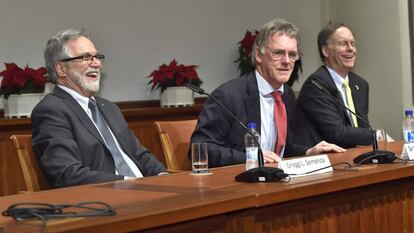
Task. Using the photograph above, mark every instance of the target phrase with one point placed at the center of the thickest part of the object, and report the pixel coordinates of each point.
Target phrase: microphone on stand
(375, 156)
(259, 174)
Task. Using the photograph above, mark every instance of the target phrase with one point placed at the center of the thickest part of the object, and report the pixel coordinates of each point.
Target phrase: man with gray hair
(260, 97)
(80, 138)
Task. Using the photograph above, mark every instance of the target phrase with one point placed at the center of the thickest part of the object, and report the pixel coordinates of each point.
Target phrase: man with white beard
(80, 138)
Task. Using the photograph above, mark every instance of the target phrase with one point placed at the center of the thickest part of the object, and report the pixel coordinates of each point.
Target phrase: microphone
(259, 174)
(374, 156)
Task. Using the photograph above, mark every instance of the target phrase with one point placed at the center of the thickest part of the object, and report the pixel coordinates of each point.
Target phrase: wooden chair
(33, 176)
(175, 139)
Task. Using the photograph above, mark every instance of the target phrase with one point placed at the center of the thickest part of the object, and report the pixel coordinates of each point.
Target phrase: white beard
(81, 81)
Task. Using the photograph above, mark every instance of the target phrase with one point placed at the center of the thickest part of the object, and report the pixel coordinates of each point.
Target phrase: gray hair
(57, 49)
(277, 25)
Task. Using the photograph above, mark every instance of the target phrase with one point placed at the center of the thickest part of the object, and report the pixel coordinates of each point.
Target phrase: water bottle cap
(409, 112)
(251, 125)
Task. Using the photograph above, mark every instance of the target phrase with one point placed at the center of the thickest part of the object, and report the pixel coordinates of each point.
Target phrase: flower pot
(49, 87)
(176, 96)
(21, 105)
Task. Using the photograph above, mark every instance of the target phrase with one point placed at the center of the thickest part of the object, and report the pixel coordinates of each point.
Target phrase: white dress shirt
(339, 81)
(268, 128)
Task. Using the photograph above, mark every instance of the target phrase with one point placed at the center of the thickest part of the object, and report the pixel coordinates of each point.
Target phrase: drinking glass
(199, 158)
(381, 139)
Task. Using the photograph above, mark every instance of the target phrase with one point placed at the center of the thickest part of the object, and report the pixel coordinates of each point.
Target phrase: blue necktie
(120, 164)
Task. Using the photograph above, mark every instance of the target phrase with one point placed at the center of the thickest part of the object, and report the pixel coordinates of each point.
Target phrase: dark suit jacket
(71, 151)
(319, 117)
(224, 135)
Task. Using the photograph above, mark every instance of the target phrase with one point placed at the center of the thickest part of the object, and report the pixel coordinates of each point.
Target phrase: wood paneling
(140, 116)
(11, 179)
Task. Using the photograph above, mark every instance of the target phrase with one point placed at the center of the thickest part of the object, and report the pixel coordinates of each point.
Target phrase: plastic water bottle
(252, 148)
(408, 127)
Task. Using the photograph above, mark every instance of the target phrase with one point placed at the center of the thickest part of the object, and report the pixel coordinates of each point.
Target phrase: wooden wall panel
(11, 180)
(378, 208)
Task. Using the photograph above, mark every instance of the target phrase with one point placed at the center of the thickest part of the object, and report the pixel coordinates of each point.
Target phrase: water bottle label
(408, 136)
(251, 153)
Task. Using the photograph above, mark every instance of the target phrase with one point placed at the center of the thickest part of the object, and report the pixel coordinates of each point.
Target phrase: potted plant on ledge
(22, 89)
(170, 80)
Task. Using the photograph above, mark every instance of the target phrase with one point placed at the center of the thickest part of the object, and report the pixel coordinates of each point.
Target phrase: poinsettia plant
(173, 75)
(245, 54)
(18, 81)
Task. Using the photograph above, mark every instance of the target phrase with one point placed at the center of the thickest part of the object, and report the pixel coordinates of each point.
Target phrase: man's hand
(324, 147)
(271, 157)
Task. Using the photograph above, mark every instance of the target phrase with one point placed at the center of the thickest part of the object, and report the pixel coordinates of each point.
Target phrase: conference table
(372, 198)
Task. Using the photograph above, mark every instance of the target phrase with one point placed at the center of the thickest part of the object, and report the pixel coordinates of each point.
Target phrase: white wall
(381, 32)
(139, 35)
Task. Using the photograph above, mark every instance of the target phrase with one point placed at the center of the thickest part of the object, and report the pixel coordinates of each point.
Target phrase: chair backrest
(33, 176)
(175, 139)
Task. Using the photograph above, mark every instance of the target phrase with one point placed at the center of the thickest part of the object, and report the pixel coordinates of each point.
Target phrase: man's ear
(257, 54)
(325, 51)
(60, 69)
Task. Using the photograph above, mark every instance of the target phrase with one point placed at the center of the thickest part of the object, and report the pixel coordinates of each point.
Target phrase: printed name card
(408, 151)
(303, 165)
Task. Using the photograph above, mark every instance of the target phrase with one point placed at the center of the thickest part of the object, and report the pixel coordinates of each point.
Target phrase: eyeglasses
(280, 53)
(86, 58)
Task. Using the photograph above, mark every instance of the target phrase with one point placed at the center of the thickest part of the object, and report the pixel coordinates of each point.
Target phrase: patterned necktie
(120, 164)
(350, 102)
(281, 121)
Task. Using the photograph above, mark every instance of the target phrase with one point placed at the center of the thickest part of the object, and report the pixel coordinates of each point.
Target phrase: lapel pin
(357, 87)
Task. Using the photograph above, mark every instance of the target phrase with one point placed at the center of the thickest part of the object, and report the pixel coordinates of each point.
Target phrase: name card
(408, 151)
(300, 166)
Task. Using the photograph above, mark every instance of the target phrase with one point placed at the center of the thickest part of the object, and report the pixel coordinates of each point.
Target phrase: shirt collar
(337, 78)
(265, 89)
(82, 100)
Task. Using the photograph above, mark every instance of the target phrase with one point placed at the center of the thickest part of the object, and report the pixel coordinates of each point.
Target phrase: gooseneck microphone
(374, 156)
(259, 174)
(199, 90)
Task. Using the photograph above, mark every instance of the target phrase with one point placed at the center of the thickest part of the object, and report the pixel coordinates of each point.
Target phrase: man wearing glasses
(80, 138)
(260, 97)
(318, 111)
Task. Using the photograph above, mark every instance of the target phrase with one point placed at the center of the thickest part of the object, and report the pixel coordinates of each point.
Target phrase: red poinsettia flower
(245, 52)
(17, 81)
(247, 43)
(37, 76)
(173, 75)
(13, 75)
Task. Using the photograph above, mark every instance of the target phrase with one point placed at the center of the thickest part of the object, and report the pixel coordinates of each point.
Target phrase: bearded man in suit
(318, 111)
(80, 138)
